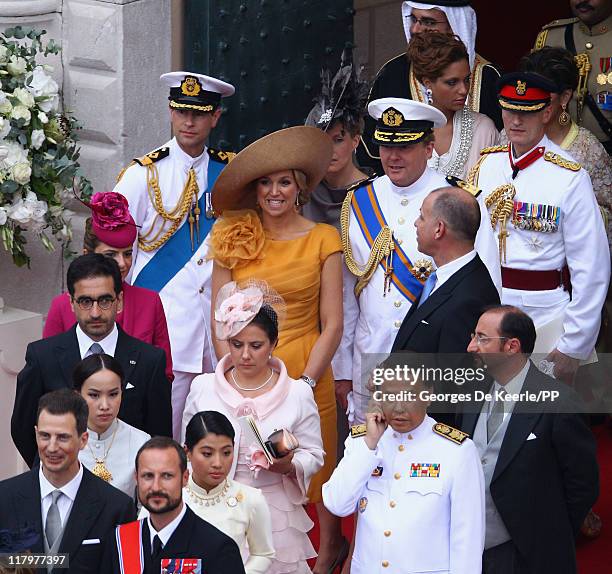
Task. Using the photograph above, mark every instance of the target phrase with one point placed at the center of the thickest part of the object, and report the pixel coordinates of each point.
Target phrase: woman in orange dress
(262, 235)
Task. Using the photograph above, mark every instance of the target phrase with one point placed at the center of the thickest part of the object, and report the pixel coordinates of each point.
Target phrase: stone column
(17, 329)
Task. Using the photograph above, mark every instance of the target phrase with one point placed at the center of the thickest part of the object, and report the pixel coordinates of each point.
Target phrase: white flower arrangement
(38, 151)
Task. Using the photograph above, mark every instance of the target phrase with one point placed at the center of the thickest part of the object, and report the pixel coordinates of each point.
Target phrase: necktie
(157, 546)
(428, 287)
(496, 416)
(95, 349)
(53, 524)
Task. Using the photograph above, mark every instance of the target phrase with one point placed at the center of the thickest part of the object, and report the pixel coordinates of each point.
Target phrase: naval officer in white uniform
(552, 237)
(169, 195)
(384, 270)
(417, 487)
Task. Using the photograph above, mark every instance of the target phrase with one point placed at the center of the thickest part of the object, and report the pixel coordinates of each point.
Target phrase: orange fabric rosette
(236, 239)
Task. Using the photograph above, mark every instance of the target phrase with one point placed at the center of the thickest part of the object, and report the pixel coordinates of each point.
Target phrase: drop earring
(564, 117)
(429, 95)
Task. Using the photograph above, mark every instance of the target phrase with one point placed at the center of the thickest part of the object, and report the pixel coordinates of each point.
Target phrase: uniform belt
(525, 280)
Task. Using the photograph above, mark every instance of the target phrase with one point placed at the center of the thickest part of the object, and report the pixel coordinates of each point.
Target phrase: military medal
(422, 269)
(363, 503)
(605, 76)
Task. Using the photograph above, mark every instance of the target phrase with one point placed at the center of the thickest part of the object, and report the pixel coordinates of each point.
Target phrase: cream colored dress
(471, 133)
(241, 512)
(118, 447)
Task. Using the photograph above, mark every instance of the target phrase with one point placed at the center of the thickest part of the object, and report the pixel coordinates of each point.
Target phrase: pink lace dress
(288, 404)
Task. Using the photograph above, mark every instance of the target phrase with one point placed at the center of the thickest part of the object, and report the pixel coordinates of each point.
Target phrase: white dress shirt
(65, 502)
(167, 531)
(445, 272)
(108, 344)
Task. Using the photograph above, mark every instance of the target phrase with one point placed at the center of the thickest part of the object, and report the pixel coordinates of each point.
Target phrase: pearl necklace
(208, 500)
(256, 388)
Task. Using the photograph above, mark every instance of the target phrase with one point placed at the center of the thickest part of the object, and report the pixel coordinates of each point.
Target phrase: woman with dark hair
(111, 231)
(268, 239)
(559, 66)
(440, 63)
(113, 444)
(339, 111)
(236, 509)
(249, 382)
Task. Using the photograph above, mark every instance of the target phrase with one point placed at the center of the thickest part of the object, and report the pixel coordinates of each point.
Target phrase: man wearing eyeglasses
(538, 456)
(396, 77)
(95, 287)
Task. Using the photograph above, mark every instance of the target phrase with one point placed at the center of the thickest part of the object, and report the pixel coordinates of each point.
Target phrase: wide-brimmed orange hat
(303, 148)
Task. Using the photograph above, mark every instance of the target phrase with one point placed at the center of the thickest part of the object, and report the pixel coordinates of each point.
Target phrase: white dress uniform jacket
(186, 297)
(371, 323)
(580, 242)
(406, 523)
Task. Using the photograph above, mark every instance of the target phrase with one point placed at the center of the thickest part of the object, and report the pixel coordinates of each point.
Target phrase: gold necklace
(100, 469)
(208, 500)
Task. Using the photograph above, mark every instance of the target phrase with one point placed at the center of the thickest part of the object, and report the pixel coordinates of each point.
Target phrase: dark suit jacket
(193, 538)
(49, 364)
(544, 487)
(450, 313)
(97, 509)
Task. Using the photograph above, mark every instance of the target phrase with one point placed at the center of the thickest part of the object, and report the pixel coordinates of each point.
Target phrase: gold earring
(564, 117)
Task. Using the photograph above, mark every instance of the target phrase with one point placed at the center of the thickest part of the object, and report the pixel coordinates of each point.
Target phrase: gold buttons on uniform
(588, 46)
(404, 202)
(397, 324)
(397, 476)
(400, 448)
(401, 220)
(392, 504)
(201, 289)
(398, 303)
(385, 563)
(200, 261)
(387, 533)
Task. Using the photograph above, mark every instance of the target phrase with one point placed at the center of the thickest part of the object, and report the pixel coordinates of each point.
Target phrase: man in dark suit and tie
(94, 284)
(538, 457)
(172, 531)
(454, 296)
(68, 509)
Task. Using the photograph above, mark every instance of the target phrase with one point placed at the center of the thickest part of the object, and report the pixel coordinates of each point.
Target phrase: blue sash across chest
(371, 220)
(172, 256)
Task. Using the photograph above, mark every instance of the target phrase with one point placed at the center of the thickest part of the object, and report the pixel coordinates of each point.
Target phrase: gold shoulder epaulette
(358, 430)
(557, 23)
(220, 155)
(541, 39)
(361, 183)
(456, 182)
(494, 149)
(153, 157)
(450, 433)
(561, 161)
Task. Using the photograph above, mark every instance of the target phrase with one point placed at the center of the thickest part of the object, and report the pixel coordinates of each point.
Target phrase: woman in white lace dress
(440, 63)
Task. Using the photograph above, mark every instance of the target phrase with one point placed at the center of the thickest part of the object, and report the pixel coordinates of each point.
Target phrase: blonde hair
(302, 184)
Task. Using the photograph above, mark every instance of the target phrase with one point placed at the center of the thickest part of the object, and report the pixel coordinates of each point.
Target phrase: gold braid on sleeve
(381, 249)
